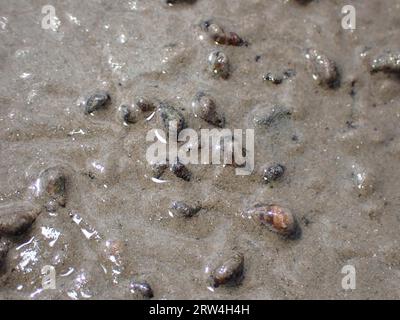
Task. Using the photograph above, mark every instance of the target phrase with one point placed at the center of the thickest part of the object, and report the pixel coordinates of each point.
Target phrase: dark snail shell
(96, 101)
(183, 209)
(144, 104)
(158, 169)
(273, 78)
(273, 173)
(129, 113)
(168, 115)
(180, 170)
(141, 289)
(279, 77)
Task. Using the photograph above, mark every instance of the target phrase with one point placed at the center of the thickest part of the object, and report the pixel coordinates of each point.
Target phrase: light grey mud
(108, 231)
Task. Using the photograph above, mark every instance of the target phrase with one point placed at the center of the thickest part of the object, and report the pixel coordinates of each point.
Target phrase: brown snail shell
(17, 218)
(219, 36)
(229, 272)
(278, 219)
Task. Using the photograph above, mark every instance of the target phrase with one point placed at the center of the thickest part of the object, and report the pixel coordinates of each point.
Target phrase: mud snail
(96, 101)
(183, 209)
(141, 290)
(279, 77)
(129, 113)
(17, 218)
(204, 107)
(144, 104)
(273, 173)
(219, 36)
(168, 114)
(158, 169)
(230, 272)
(180, 170)
(218, 64)
(276, 218)
(273, 78)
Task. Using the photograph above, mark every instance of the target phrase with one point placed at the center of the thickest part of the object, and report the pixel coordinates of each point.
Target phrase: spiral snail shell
(204, 107)
(278, 219)
(229, 272)
(218, 64)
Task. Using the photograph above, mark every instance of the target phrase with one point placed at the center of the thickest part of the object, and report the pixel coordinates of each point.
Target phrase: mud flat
(78, 98)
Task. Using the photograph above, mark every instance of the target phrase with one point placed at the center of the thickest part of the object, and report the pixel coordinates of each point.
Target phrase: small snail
(278, 219)
(96, 101)
(129, 113)
(169, 117)
(17, 218)
(219, 36)
(205, 108)
(180, 170)
(230, 272)
(158, 169)
(141, 290)
(273, 173)
(219, 64)
(184, 209)
(364, 179)
(324, 70)
(278, 78)
(144, 104)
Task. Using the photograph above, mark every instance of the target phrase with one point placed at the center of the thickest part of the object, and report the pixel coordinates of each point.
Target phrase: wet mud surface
(78, 194)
